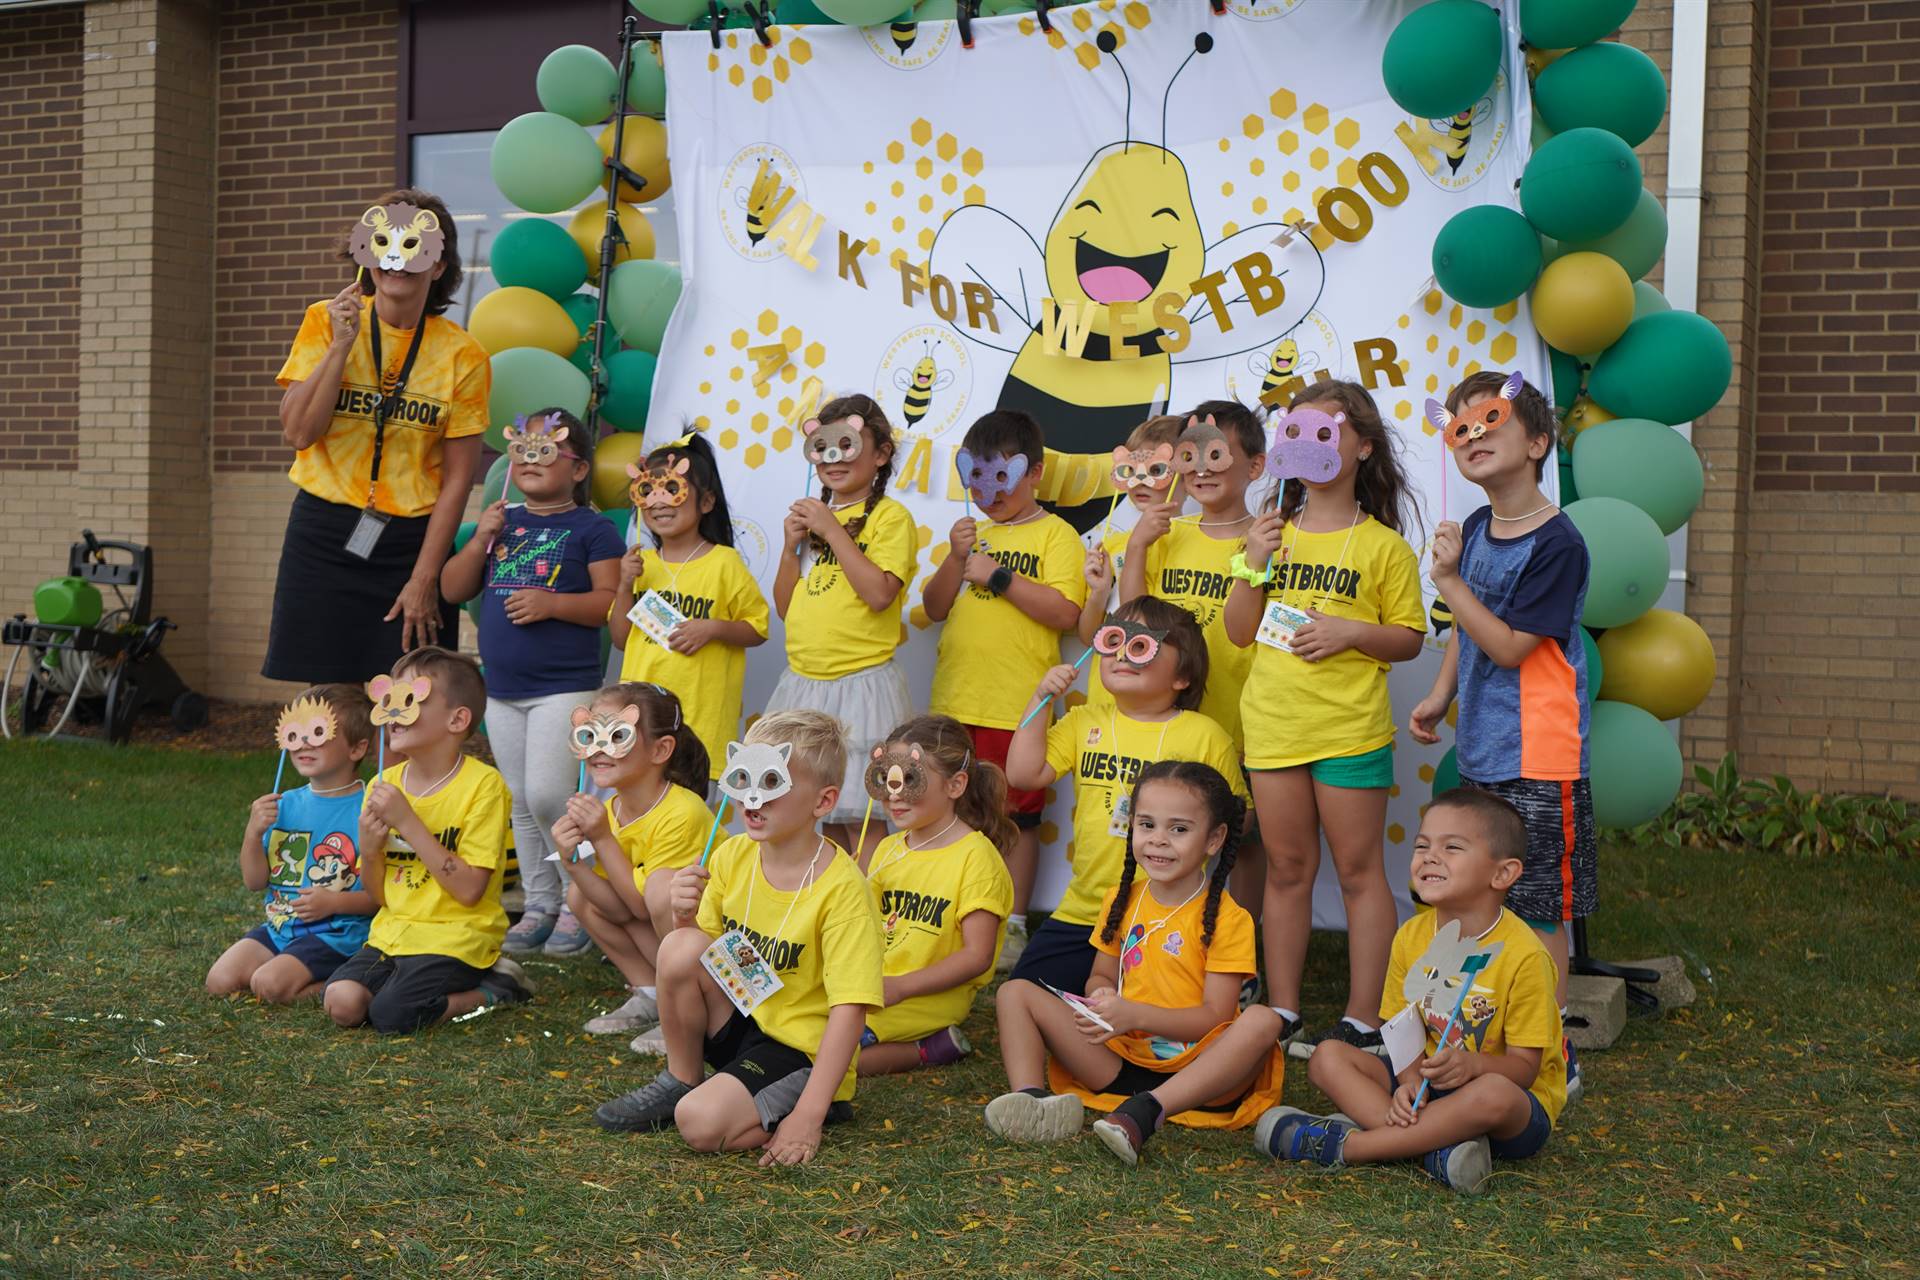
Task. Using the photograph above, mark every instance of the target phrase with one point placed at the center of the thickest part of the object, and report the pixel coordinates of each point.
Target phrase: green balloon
(583, 309)
(675, 11)
(1442, 57)
(935, 11)
(1567, 377)
(1568, 24)
(864, 13)
(1671, 366)
(994, 8)
(629, 388)
(1646, 463)
(530, 378)
(640, 299)
(577, 82)
(544, 162)
(1635, 244)
(795, 12)
(1609, 86)
(1446, 774)
(1648, 300)
(647, 80)
(499, 485)
(1634, 764)
(1569, 491)
(1581, 185)
(539, 255)
(1596, 669)
(1627, 556)
(621, 518)
(1486, 256)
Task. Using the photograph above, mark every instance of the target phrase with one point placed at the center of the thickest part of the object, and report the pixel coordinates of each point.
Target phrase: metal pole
(612, 236)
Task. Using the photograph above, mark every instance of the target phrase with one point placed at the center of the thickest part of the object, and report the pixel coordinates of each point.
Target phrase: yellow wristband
(1239, 568)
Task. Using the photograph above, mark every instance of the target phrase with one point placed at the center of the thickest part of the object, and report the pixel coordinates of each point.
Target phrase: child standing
(635, 744)
(1006, 591)
(1482, 985)
(1345, 600)
(941, 884)
(781, 899)
(1166, 986)
(695, 569)
(843, 615)
(299, 851)
(544, 571)
(1148, 461)
(1153, 659)
(433, 838)
(1515, 577)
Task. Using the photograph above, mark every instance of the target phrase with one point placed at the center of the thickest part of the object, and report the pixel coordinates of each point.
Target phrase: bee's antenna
(1202, 43)
(1107, 44)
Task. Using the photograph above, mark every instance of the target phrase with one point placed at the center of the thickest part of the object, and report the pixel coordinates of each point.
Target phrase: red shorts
(991, 745)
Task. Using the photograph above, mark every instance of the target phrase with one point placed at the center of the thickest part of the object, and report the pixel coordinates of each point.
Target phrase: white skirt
(868, 704)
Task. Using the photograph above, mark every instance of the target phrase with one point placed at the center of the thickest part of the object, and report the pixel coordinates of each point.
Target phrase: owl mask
(1128, 641)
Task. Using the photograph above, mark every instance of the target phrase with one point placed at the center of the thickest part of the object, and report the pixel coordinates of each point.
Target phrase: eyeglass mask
(1129, 641)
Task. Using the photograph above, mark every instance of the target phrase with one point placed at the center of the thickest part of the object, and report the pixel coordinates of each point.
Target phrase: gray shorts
(1560, 875)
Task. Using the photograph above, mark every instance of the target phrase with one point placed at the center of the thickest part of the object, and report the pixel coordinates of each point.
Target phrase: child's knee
(680, 953)
(346, 1003)
(1262, 1018)
(704, 1123)
(1332, 1061)
(279, 984)
(222, 981)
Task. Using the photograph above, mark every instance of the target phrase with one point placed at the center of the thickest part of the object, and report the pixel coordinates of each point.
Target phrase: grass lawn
(148, 1130)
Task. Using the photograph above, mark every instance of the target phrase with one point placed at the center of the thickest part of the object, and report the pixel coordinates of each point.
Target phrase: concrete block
(1675, 989)
(1596, 1011)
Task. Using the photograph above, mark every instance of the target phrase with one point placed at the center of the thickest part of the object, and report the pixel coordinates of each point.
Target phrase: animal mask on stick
(756, 772)
(534, 441)
(1138, 468)
(1202, 449)
(1127, 640)
(1306, 446)
(397, 237)
(598, 733)
(663, 485)
(834, 442)
(306, 722)
(397, 701)
(1458, 429)
(896, 774)
(991, 478)
(1433, 981)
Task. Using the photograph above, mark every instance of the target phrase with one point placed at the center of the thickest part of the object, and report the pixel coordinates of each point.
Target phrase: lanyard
(1286, 555)
(1133, 918)
(804, 884)
(380, 404)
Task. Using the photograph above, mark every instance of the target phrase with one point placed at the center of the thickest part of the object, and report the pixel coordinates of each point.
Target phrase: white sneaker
(1010, 950)
(639, 1011)
(652, 1041)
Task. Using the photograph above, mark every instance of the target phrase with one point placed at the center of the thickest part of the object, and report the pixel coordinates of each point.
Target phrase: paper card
(1278, 624)
(740, 970)
(1080, 1005)
(1120, 821)
(654, 614)
(1405, 1038)
(581, 852)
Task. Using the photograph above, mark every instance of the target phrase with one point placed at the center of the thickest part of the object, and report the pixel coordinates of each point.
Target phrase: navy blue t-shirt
(542, 553)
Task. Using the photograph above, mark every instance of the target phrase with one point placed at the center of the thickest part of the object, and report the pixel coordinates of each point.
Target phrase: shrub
(1777, 817)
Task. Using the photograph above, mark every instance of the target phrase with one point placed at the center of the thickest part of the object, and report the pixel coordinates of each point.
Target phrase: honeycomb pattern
(766, 411)
(1075, 30)
(925, 176)
(1451, 342)
(758, 68)
(1304, 146)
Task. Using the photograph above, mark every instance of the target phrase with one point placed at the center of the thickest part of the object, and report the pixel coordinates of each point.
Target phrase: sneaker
(1126, 1130)
(1251, 989)
(652, 1041)
(1016, 942)
(1288, 1133)
(647, 1108)
(1463, 1167)
(506, 983)
(530, 934)
(1576, 1083)
(944, 1047)
(1021, 1117)
(1346, 1033)
(1291, 1030)
(639, 1011)
(568, 937)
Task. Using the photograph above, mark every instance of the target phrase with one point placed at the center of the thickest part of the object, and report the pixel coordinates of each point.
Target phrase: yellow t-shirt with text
(822, 939)
(469, 816)
(664, 838)
(1188, 568)
(1293, 712)
(830, 631)
(715, 584)
(446, 399)
(923, 895)
(991, 654)
(1102, 751)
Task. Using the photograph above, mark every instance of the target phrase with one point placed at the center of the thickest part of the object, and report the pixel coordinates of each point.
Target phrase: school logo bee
(750, 540)
(1308, 352)
(928, 372)
(1262, 10)
(908, 45)
(1439, 616)
(1468, 140)
(755, 189)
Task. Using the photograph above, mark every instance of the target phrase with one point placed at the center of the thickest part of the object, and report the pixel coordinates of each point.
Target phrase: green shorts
(1356, 773)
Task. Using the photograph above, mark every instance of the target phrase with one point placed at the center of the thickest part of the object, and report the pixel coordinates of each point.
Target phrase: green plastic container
(67, 602)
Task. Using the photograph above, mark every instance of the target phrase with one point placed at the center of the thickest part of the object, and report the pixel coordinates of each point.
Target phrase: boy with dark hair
(1006, 591)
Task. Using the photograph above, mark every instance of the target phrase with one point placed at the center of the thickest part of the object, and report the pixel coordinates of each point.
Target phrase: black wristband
(1000, 580)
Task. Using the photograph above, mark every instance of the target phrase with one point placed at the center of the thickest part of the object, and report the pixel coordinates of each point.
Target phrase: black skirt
(329, 606)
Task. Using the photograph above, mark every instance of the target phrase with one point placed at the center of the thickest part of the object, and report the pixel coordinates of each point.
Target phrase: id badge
(1120, 821)
(366, 533)
(654, 614)
(737, 966)
(1279, 623)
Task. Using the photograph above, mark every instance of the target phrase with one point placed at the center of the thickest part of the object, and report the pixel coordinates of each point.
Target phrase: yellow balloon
(590, 224)
(1539, 60)
(1583, 302)
(1585, 413)
(516, 316)
(1661, 662)
(610, 458)
(643, 149)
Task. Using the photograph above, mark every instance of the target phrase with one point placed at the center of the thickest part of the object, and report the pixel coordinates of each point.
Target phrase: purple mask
(1306, 446)
(991, 478)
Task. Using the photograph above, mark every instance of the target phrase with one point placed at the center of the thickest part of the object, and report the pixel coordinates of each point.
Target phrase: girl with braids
(693, 565)
(941, 884)
(1169, 1040)
(845, 563)
(1328, 593)
(654, 822)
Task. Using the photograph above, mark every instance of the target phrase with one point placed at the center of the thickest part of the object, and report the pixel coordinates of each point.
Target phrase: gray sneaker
(569, 936)
(1010, 949)
(651, 1041)
(647, 1108)
(1021, 1117)
(640, 1011)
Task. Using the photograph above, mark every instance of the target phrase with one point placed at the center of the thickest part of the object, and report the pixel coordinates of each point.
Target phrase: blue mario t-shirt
(311, 846)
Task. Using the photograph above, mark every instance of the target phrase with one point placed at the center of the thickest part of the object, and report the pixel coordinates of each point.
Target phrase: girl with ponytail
(941, 884)
(845, 561)
(1159, 1034)
(621, 853)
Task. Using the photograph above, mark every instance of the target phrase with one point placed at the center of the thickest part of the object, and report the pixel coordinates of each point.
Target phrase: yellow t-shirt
(715, 584)
(830, 631)
(1103, 751)
(469, 817)
(992, 654)
(446, 399)
(1294, 712)
(664, 838)
(823, 940)
(923, 895)
(1189, 569)
(1116, 547)
(1512, 1001)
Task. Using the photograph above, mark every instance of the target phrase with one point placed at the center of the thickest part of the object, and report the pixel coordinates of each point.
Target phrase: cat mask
(756, 772)
(895, 774)
(1306, 446)
(397, 701)
(1135, 468)
(1458, 429)
(1128, 641)
(598, 733)
(307, 722)
(990, 478)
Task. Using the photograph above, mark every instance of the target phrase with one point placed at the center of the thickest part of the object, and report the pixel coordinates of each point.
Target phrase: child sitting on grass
(1482, 985)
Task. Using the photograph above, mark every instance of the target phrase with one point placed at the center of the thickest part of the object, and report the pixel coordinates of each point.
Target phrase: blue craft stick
(712, 831)
(381, 766)
(583, 777)
(1078, 663)
(279, 770)
(1473, 965)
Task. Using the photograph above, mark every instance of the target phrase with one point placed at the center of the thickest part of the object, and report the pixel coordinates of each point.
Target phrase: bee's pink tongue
(1115, 284)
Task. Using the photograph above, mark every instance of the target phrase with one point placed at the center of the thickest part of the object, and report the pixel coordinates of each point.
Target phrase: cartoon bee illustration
(1281, 365)
(1121, 254)
(903, 34)
(1459, 130)
(762, 202)
(1440, 617)
(918, 385)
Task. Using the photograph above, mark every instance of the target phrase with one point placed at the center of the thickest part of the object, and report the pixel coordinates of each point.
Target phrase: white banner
(883, 210)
